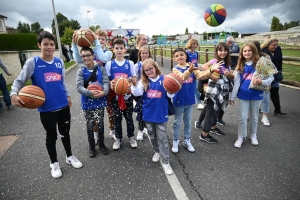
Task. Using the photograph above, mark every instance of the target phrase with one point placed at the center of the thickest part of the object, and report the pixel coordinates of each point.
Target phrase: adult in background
(141, 40)
(3, 87)
(271, 47)
(233, 48)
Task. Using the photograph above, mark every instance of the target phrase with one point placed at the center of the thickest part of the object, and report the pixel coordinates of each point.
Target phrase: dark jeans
(274, 94)
(210, 116)
(4, 90)
(94, 117)
(61, 118)
(118, 115)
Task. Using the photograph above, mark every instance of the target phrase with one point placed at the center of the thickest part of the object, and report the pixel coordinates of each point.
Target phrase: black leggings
(274, 94)
(61, 118)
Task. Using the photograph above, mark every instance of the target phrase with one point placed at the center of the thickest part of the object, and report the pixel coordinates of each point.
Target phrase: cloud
(155, 16)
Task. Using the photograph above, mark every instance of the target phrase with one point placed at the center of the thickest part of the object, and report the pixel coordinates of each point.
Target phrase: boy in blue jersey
(48, 73)
(93, 101)
(116, 68)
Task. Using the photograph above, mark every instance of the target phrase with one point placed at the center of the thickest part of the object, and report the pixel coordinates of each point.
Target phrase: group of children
(97, 66)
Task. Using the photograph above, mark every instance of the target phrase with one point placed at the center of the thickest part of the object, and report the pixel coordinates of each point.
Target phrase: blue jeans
(246, 106)
(197, 93)
(184, 112)
(265, 103)
(4, 90)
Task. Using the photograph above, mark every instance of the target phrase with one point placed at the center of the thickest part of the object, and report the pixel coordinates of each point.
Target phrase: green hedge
(18, 42)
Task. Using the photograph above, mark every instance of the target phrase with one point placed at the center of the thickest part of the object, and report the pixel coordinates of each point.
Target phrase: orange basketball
(172, 83)
(84, 38)
(121, 86)
(95, 86)
(32, 96)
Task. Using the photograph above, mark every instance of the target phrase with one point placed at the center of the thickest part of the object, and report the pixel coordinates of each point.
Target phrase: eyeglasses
(86, 56)
(148, 70)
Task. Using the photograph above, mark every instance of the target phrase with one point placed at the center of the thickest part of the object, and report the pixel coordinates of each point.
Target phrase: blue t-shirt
(186, 95)
(88, 103)
(120, 71)
(49, 78)
(246, 93)
(192, 57)
(155, 102)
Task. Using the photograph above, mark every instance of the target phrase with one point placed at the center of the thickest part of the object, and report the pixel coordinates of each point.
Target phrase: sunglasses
(86, 56)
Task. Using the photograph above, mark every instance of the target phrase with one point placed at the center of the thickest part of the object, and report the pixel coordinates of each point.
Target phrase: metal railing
(162, 53)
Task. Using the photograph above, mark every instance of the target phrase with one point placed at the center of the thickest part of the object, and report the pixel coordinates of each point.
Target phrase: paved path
(215, 171)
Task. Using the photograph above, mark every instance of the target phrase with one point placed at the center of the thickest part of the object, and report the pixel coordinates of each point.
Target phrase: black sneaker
(221, 122)
(197, 125)
(208, 139)
(217, 131)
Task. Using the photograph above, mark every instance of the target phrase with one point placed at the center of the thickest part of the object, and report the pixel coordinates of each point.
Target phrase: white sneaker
(254, 140)
(72, 160)
(112, 134)
(238, 143)
(175, 146)
(140, 136)
(145, 131)
(200, 106)
(167, 168)
(117, 144)
(55, 170)
(156, 157)
(188, 145)
(265, 121)
(132, 142)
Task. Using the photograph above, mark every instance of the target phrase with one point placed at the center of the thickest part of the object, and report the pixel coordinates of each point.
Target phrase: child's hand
(97, 94)
(16, 101)
(70, 102)
(216, 65)
(257, 81)
(231, 102)
(73, 37)
(112, 84)
(192, 67)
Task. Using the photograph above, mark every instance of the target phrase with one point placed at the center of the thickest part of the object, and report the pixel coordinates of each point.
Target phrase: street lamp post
(57, 32)
(87, 16)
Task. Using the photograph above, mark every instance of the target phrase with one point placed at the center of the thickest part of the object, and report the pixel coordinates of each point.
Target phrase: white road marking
(176, 187)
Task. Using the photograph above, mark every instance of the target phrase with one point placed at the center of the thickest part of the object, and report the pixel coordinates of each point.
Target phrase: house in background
(2, 24)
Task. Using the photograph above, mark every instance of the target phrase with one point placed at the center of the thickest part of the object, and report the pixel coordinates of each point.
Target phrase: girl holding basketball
(185, 97)
(250, 99)
(217, 92)
(93, 101)
(155, 110)
(193, 55)
(143, 54)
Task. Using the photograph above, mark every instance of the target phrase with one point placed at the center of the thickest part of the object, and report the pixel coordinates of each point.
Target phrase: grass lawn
(290, 72)
(67, 65)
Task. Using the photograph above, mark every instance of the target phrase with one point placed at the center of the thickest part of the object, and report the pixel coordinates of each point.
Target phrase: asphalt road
(215, 171)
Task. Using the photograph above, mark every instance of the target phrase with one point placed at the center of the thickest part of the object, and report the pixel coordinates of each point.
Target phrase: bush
(18, 42)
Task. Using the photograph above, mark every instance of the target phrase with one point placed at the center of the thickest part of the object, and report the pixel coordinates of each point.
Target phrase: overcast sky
(155, 16)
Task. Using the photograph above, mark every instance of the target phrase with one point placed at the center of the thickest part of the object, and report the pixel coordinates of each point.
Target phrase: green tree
(94, 28)
(67, 37)
(275, 23)
(186, 30)
(23, 27)
(36, 28)
(63, 22)
(205, 35)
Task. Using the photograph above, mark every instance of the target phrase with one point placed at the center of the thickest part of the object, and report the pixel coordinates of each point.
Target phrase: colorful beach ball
(215, 15)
